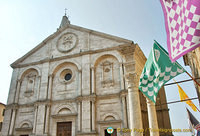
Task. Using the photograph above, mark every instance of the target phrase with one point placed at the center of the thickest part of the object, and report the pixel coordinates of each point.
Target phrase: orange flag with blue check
(183, 96)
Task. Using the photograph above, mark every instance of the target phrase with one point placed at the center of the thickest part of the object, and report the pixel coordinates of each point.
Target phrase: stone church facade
(79, 82)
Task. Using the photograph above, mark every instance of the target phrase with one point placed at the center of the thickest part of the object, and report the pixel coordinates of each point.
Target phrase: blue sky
(24, 24)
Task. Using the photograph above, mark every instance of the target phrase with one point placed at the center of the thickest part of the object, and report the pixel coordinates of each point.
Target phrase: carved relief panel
(107, 75)
(67, 42)
(29, 84)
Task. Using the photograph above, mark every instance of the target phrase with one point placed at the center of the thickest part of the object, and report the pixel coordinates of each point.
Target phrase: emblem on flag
(182, 22)
(157, 71)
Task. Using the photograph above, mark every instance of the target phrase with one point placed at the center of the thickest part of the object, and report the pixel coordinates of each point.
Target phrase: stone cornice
(109, 122)
(92, 97)
(86, 98)
(118, 48)
(12, 106)
(23, 129)
(108, 96)
(64, 115)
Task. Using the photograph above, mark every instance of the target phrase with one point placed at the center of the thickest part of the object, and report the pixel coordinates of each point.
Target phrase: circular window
(68, 76)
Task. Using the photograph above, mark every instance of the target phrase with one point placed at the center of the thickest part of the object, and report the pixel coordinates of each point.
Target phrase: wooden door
(64, 128)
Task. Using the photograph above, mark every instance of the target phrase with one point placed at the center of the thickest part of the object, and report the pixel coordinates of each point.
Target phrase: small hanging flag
(183, 96)
(194, 122)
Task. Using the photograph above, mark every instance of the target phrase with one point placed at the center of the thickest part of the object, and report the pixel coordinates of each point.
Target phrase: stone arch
(56, 66)
(116, 55)
(115, 116)
(27, 70)
(26, 124)
(65, 107)
(109, 118)
(107, 73)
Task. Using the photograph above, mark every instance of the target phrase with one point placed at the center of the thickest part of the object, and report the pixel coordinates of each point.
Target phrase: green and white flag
(157, 71)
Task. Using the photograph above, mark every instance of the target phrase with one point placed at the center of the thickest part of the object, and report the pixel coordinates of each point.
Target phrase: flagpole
(192, 78)
(197, 108)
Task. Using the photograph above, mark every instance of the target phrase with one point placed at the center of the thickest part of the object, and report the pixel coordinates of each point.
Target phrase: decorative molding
(86, 98)
(12, 106)
(28, 93)
(51, 75)
(69, 56)
(64, 62)
(30, 68)
(123, 93)
(23, 129)
(67, 42)
(64, 115)
(47, 102)
(63, 72)
(108, 96)
(109, 122)
(131, 77)
(63, 106)
(28, 128)
(115, 115)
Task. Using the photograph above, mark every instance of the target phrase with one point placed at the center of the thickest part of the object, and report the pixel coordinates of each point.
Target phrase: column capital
(129, 66)
(148, 101)
(120, 63)
(127, 49)
(80, 70)
(19, 80)
(123, 93)
(39, 76)
(51, 75)
(131, 77)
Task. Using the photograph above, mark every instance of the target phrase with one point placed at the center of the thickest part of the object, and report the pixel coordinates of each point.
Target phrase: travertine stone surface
(80, 76)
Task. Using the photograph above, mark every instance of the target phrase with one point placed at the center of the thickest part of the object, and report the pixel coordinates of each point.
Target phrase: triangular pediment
(67, 41)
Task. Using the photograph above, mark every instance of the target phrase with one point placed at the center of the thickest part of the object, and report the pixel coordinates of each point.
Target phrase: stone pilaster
(93, 80)
(134, 105)
(80, 83)
(35, 119)
(40, 119)
(13, 118)
(17, 90)
(79, 116)
(48, 107)
(86, 116)
(50, 86)
(123, 96)
(38, 87)
(121, 77)
(44, 82)
(93, 116)
(153, 123)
